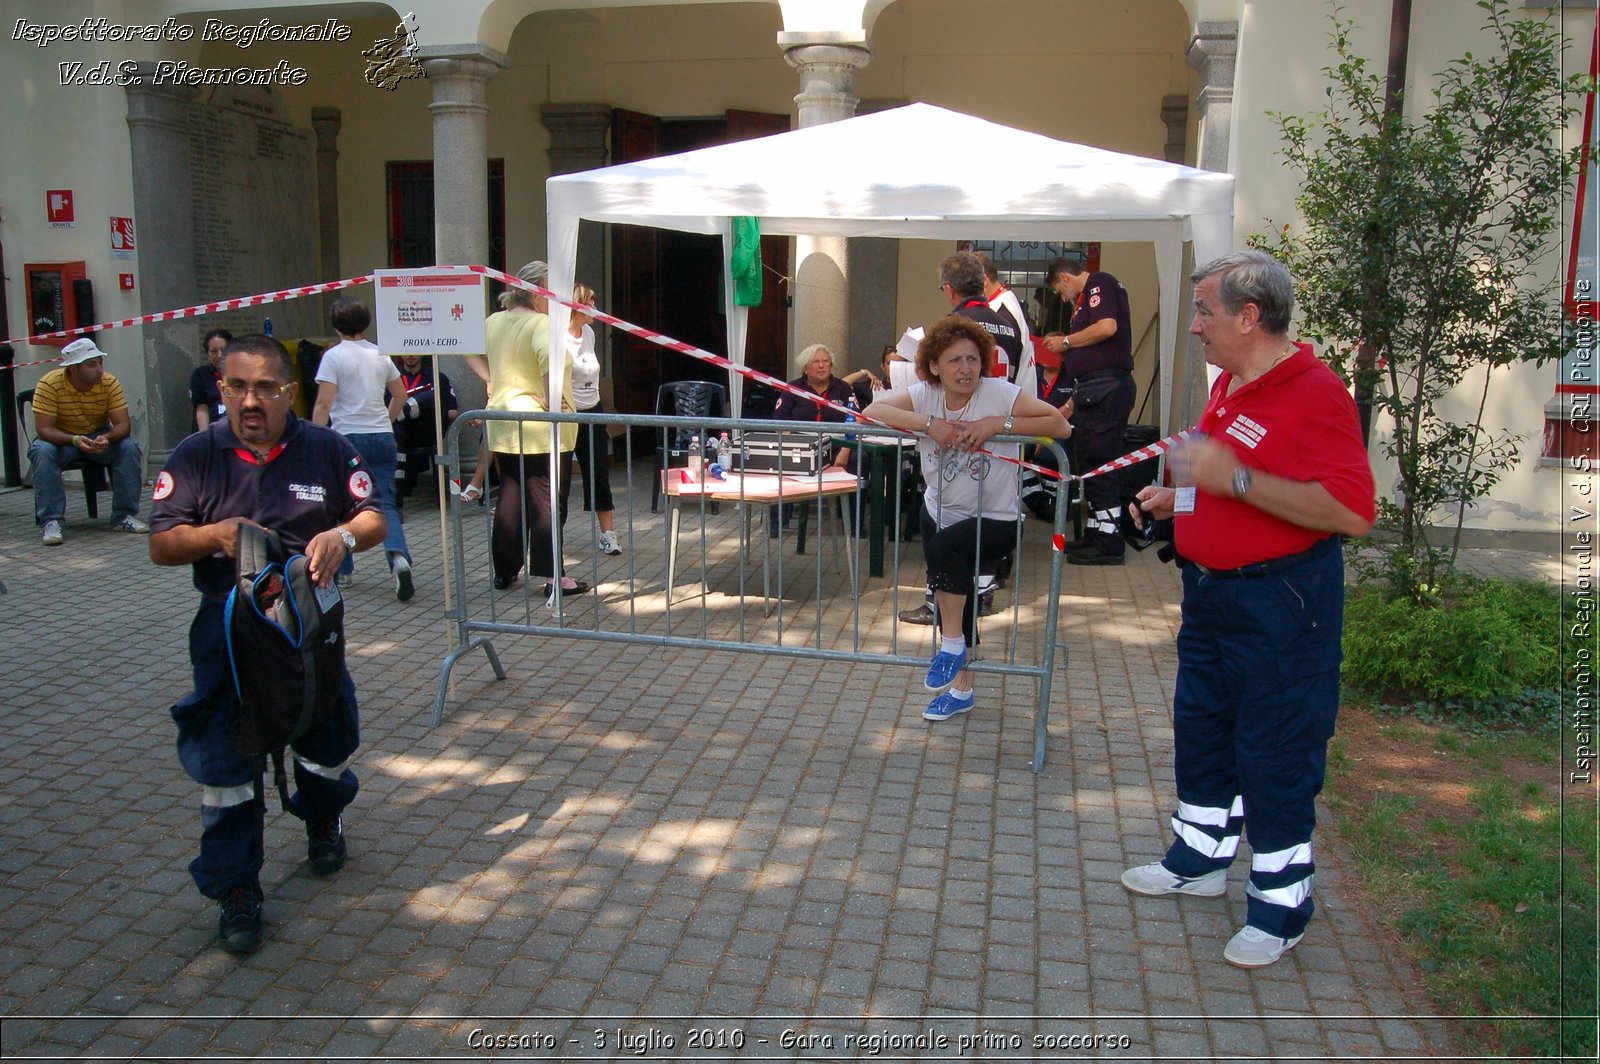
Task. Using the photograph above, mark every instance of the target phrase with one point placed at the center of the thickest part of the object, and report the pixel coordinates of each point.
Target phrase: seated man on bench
(79, 416)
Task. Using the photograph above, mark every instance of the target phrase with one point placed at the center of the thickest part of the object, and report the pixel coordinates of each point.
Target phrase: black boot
(239, 926)
(325, 847)
(1101, 549)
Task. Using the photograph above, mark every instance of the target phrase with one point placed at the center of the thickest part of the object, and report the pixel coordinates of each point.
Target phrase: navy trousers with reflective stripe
(1254, 707)
(231, 829)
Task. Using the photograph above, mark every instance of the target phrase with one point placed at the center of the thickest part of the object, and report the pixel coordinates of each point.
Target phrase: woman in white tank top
(973, 502)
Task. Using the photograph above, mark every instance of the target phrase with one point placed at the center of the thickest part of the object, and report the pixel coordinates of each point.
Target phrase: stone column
(460, 111)
(1175, 113)
(827, 63)
(163, 203)
(580, 139)
(1212, 51)
(326, 122)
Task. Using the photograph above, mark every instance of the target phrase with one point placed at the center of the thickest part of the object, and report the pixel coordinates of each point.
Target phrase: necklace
(946, 413)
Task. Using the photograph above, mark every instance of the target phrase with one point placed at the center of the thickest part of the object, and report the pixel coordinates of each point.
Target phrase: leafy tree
(1426, 239)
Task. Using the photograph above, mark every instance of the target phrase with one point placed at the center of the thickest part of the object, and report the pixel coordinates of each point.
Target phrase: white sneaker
(1155, 880)
(1255, 948)
(129, 524)
(51, 535)
(404, 588)
(609, 544)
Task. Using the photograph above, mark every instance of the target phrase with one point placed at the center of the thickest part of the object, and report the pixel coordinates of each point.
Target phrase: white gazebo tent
(919, 172)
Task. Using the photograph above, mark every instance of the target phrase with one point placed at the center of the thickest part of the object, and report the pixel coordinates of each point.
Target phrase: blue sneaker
(942, 671)
(946, 706)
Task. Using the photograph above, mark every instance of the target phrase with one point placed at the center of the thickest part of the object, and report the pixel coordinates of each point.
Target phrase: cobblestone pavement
(632, 851)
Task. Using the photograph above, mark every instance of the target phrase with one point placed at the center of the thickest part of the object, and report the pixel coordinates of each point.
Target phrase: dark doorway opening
(672, 282)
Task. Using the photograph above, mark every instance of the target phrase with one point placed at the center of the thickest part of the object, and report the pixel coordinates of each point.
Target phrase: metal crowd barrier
(641, 598)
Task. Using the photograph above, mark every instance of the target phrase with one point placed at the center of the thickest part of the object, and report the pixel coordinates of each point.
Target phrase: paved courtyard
(640, 852)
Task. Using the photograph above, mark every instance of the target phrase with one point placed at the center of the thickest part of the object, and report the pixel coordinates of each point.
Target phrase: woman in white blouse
(594, 441)
(972, 505)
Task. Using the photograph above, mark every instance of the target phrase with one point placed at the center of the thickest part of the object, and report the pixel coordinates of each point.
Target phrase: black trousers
(958, 552)
(1099, 426)
(525, 491)
(594, 461)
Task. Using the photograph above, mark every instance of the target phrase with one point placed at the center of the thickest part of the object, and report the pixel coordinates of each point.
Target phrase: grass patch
(1485, 871)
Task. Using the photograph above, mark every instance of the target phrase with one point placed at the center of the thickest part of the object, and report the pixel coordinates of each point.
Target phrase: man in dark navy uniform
(415, 432)
(961, 281)
(1094, 389)
(264, 466)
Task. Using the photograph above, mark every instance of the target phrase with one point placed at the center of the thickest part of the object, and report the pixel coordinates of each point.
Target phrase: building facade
(215, 150)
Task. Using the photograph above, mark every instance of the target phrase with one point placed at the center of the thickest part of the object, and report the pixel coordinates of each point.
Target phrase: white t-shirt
(585, 369)
(362, 375)
(960, 482)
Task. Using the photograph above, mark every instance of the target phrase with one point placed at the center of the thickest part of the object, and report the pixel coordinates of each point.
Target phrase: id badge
(1183, 501)
(328, 597)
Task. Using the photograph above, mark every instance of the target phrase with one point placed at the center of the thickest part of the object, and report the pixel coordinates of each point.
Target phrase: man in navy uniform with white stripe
(261, 465)
(1263, 499)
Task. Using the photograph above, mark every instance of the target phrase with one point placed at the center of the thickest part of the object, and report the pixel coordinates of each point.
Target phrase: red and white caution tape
(1135, 457)
(189, 312)
(660, 339)
(703, 355)
(41, 362)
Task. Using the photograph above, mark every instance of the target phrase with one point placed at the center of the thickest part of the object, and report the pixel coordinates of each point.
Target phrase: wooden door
(671, 281)
(635, 291)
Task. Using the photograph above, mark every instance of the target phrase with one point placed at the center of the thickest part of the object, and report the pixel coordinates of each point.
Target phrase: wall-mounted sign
(58, 208)
(121, 237)
(436, 311)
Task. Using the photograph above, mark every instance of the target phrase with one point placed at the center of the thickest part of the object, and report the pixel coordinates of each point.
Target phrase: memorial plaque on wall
(255, 213)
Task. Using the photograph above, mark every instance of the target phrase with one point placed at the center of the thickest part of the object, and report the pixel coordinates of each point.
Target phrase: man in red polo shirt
(1264, 497)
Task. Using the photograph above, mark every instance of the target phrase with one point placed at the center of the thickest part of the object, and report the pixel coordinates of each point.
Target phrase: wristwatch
(350, 540)
(1241, 481)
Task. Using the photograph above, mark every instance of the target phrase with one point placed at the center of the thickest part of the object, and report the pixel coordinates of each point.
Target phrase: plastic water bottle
(266, 326)
(696, 459)
(725, 452)
(850, 418)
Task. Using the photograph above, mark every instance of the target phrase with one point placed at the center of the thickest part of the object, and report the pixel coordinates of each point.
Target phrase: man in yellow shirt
(80, 415)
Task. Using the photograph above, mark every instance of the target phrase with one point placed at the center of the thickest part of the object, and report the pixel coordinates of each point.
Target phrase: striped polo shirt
(79, 413)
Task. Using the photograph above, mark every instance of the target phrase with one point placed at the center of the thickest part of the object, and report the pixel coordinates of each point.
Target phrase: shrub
(1481, 648)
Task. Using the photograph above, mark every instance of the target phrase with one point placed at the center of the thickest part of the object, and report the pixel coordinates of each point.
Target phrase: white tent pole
(562, 233)
(1169, 265)
(738, 319)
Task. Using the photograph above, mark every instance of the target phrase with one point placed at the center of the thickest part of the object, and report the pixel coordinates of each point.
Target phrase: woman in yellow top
(517, 369)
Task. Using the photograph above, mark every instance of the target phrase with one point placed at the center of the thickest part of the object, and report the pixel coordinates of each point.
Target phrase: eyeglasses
(265, 392)
(941, 286)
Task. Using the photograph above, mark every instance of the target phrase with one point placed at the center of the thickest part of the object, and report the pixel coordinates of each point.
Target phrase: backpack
(285, 640)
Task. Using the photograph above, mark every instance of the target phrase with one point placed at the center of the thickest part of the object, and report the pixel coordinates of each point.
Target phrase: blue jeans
(379, 451)
(47, 460)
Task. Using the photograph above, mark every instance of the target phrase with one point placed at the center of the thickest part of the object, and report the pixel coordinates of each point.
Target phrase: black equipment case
(796, 454)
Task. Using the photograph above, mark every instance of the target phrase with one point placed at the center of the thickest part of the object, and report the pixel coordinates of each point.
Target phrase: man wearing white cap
(80, 415)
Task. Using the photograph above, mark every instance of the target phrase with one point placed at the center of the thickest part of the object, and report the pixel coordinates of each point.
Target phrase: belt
(1097, 374)
(1272, 565)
